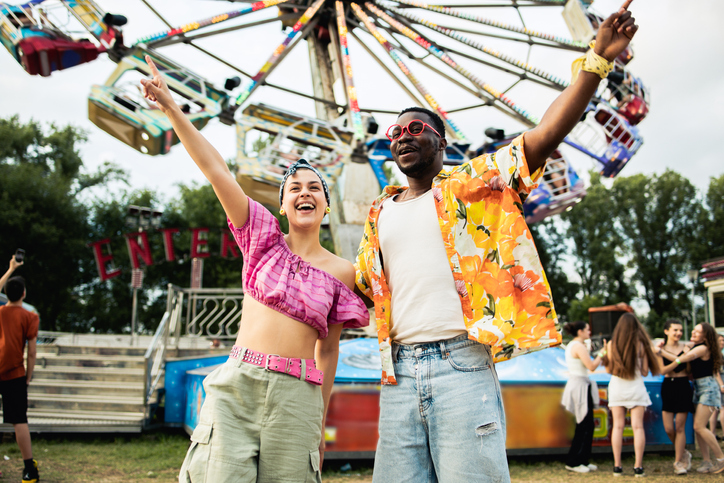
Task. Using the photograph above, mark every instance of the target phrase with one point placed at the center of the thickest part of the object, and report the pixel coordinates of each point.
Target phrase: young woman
(629, 357)
(262, 420)
(676, 396)
(705, 360)
(580, 395)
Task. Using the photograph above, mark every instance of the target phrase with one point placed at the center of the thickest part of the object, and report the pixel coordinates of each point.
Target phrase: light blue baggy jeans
(444, 421)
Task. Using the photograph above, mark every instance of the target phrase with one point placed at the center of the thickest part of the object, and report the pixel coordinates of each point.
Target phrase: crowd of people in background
(692, 383)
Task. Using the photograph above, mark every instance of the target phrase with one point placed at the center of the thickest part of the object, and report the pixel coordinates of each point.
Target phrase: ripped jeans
(444, 421)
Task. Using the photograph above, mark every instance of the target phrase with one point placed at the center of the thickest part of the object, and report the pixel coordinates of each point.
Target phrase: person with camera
(18, 330)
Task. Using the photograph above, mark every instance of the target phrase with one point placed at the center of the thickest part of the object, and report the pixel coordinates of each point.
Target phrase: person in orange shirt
(17, 326)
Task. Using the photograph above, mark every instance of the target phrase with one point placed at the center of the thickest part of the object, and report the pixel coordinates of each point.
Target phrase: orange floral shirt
(503, 290)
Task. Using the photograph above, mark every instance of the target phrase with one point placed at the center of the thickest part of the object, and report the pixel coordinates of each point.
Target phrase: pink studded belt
(285, 365)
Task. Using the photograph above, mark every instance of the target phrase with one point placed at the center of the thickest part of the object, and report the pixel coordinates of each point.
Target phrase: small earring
(282, 212)
(327, 210)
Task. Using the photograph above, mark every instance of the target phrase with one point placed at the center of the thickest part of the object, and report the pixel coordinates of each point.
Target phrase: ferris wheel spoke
(220, 60)
(493, 23)
(455, 131)
(348, 74)
(519, 75)
(467, 108)
(511, 3)
(444, 57)
(160, 17)
(557, 83)
(216, 19)
(188, 38)
(304, 25)
(387, 69)
(528, 41)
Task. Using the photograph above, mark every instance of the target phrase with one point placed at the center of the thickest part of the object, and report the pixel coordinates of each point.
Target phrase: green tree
(658, 216)
(709, 240)
(598, 245)
(41, 180)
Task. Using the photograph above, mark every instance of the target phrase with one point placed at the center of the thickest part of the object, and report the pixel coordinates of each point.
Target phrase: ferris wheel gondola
(35, 35)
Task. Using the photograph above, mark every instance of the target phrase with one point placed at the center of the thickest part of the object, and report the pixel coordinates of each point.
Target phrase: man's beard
(419, 169)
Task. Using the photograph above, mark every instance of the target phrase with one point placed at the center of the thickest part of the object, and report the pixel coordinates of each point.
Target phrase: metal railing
(212, 312)
(203, 312)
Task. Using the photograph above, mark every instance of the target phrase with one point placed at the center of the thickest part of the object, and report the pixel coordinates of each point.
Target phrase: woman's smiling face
(674, 332)
(304, 201)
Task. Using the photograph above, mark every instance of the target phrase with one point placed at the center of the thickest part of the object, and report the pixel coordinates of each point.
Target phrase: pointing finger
(626, 4)
(152, 65)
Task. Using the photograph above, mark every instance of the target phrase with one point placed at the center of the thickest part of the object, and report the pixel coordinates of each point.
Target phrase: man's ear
(443, 144)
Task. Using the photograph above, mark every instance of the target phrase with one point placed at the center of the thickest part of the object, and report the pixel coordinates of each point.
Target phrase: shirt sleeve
(348, 309)
(513, 167)
(31, 331)
(260, 231)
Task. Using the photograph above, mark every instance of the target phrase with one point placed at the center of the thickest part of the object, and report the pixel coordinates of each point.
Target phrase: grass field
(158, 456)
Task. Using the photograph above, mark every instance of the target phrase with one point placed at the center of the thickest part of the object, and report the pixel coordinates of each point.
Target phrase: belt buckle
(266, 363)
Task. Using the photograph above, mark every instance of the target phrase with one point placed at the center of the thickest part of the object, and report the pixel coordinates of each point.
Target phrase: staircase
(87, 389)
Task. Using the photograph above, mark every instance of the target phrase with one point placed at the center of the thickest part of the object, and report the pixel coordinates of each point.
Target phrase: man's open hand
(615, 33)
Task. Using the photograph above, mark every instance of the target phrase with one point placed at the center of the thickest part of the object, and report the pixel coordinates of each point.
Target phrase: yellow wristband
(603, 353)
(591, 62)
(677, 361)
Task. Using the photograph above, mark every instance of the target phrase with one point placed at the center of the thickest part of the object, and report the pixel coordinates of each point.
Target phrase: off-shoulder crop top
(276, 277)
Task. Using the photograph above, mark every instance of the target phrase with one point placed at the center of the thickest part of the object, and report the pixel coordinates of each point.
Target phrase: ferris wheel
(485, 51)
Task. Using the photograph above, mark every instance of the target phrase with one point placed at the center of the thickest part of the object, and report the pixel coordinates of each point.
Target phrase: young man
(448, 306)
(17, 326)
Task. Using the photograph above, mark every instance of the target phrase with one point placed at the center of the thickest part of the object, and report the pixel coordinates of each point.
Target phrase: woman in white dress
(629, 357)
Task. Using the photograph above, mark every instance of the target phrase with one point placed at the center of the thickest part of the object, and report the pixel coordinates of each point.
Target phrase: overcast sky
(678, 55)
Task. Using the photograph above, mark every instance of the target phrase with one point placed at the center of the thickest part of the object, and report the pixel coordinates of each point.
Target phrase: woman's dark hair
(711, 343)
(667, 326)
(628, 338)
(573, 327)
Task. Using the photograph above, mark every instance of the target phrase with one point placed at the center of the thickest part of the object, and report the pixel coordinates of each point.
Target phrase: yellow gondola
(121, 111)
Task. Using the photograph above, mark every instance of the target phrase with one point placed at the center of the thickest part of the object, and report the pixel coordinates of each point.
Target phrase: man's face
(418, 156)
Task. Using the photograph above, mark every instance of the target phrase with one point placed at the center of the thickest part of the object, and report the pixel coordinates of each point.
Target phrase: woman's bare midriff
(265, 330)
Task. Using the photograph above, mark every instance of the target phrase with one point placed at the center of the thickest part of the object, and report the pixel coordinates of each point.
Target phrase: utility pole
(693, 275)
(140, 218)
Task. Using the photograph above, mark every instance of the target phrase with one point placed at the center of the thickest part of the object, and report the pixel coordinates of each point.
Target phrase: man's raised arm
(613, 36)
(13, 265)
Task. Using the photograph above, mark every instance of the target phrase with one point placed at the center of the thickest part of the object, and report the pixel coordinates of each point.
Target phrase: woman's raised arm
(580, 351)
(206, 157)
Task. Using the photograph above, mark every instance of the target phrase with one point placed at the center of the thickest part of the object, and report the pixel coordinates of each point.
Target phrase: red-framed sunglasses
(414, 127)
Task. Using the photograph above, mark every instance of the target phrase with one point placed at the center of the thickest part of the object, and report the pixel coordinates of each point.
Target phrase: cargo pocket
(197, 459)
(314, 475)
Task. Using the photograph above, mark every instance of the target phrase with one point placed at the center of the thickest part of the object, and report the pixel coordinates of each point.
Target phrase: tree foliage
(598, 244)
(41, 176)
(658, 218)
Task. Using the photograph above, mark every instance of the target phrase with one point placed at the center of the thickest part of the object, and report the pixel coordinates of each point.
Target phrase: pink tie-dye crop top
(281, 280)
